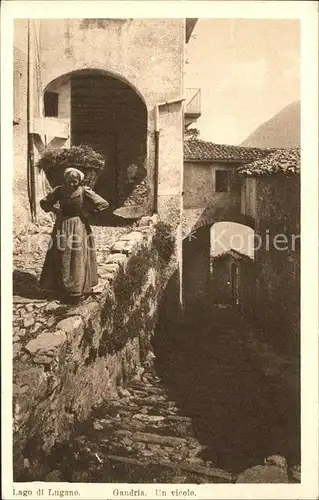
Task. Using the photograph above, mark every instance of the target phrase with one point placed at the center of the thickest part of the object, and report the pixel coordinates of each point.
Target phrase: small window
(222, 181)
(51, 104)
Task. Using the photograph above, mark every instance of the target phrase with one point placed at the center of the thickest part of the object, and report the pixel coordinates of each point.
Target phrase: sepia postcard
(159, 249)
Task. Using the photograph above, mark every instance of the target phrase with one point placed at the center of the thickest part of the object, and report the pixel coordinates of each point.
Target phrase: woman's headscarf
(74, 171)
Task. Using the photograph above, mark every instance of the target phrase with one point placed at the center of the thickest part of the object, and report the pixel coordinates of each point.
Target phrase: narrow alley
(156, 247)
(204, 407)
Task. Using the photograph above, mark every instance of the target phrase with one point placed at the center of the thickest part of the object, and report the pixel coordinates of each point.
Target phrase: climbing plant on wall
(164, 240)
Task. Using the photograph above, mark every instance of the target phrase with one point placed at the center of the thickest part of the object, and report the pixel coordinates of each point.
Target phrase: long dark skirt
(70, 266)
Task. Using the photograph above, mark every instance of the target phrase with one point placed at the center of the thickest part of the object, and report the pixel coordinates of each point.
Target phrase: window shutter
(51, 104)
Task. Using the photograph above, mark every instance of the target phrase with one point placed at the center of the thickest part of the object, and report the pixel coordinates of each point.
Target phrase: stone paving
(211, 404)
(138, 435)
(198, 411)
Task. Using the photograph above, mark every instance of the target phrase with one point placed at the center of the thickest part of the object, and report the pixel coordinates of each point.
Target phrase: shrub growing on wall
(164, 240)
(127, 319)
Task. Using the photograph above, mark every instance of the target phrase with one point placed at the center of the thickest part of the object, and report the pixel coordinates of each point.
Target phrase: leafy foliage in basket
(84, 158)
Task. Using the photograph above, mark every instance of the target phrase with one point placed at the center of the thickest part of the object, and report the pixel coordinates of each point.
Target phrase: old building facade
(212, 194)
(114, 84)
(271, 196)
(212, 191)
(265, 196)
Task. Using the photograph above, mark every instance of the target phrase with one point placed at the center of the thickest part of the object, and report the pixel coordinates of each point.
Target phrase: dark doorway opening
(108, 115)
(196, 267)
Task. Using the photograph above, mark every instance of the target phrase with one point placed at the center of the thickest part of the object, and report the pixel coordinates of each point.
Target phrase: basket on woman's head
(83, 158)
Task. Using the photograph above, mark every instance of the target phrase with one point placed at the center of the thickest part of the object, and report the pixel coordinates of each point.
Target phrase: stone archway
(198, 257)
(108, 114)
(193, 219)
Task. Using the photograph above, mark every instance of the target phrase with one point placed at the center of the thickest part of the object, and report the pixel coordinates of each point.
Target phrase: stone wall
(85, 351)
(278, 269)
(202, 205)
(196, 267)
(147, 54)
(21, 209)
(21, 206)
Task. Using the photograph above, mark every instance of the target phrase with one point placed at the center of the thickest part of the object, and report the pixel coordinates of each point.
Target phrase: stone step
(150, 401)
(138, 392)
(218, 474)
(139, 385)
(149, 418)
(179, 418)
(144, 437)
(148, 390)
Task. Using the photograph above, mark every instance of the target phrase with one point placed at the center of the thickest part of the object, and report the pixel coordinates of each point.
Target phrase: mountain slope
(281, 131)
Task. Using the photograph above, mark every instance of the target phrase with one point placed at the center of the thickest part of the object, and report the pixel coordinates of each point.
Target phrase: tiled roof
(285, 161)
(198, 150)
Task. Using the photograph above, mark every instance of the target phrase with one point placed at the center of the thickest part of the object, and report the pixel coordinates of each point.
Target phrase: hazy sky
(248, 70)
(226, 235)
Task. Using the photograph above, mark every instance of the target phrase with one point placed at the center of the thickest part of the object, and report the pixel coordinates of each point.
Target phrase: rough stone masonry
(69, 358)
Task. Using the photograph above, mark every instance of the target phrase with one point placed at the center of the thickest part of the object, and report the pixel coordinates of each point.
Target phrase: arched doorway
(232, 264)
(218, 265)
(107, 114)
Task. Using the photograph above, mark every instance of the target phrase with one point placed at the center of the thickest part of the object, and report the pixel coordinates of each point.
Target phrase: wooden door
(105, 144)
(235, 283)
(91, 111)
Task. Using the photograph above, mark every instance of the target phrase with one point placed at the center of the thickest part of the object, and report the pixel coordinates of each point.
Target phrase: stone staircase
(137, 436)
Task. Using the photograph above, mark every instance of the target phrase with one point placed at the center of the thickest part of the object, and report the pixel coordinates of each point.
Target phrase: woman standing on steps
(70, 267)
